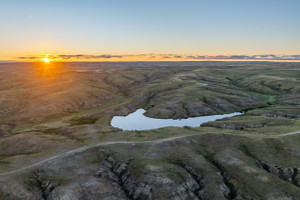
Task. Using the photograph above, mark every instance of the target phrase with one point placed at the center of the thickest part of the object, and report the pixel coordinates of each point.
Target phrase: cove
(138, 121)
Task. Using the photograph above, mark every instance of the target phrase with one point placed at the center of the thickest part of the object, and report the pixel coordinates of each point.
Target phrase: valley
(56, 141)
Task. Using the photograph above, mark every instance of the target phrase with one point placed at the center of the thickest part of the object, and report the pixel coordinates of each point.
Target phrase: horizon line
(158, 57)
(126, 61)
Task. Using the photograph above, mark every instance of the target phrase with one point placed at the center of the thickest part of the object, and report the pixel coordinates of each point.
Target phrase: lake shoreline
(138, 121)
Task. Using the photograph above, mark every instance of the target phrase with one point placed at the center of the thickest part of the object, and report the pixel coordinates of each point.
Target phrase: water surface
(138, 121)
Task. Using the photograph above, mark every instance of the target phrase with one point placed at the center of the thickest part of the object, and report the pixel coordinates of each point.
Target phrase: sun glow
(46, 60)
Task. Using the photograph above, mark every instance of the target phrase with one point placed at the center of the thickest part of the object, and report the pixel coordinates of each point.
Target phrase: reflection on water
(138, 121)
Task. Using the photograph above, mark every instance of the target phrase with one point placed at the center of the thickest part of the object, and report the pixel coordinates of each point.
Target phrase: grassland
(43, 116)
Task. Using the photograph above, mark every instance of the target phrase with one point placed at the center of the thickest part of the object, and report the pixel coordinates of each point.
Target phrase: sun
(46, 60)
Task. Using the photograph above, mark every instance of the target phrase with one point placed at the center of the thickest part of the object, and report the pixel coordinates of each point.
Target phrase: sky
(149, 30)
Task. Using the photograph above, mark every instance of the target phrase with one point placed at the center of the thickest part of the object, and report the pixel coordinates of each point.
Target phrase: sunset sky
(120, 30)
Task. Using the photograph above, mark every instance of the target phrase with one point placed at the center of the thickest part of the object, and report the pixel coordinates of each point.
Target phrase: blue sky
(215, 27)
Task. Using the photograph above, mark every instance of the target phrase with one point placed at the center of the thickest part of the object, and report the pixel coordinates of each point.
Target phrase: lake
(138, 121)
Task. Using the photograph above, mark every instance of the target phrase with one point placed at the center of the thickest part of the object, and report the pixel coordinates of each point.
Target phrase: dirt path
(81, 149)
(287, 134)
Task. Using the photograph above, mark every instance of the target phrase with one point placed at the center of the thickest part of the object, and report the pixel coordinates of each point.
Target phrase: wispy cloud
(82, 56)
(162, 57)
(29, 17)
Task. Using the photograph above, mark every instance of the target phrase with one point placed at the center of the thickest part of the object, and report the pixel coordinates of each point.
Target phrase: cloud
(177, 56)
(82, 56)
(29, 58)
(29, 17)
(245, 57)
(162, 57)
(67, 57)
